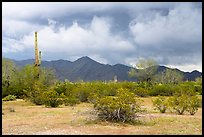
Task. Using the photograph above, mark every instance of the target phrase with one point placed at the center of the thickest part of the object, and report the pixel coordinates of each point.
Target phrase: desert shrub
(60, 87)
(198, 89)
(179, 103)
(162, 90)
(193, 104)
(70, 101)
(35, 95)
(161, 104)
(93, 97)
(9, 98)
(82, 93)
(64, 87)
(111, 89)
(52, 99)
(128, 85)
(145, 85)
(142, 92)
(186, 88)
(122, 107)
(37, 99)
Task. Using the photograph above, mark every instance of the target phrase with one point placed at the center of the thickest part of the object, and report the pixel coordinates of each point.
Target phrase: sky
(108, 32)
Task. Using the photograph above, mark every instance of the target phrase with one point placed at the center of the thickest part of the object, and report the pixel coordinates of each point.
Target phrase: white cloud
(168, 32)
(187, 67)
(18, 28)
(175, 38)
(78, 41)
(182, 24)
(11, 45)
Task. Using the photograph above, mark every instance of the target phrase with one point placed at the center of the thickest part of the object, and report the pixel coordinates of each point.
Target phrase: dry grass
(80, 119)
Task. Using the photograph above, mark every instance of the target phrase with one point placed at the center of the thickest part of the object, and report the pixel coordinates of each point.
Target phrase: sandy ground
(38, 120)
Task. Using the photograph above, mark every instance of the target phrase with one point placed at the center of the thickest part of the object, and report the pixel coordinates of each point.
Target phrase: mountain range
(87, 69)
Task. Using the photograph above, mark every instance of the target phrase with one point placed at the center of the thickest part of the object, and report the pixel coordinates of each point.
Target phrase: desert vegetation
(117, 102)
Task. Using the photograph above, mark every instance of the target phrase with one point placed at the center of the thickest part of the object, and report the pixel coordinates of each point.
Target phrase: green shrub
(82, 93)
(9, 98)
(142, 92)
(179, 103)
(111, 89)
(198, 89)
(37, 99)
(60, 87)
(52, 99)
(35, 93)
(162, 90)
(161, 104)
(70, 101)
(193, 104)
(122, 107)
(186, 88)
(93, 97)
(128, 85)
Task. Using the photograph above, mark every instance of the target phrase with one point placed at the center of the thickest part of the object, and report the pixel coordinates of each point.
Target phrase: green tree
(145, 70)
(8, 75)
(198, 85)
(27, 85)
(169, 76)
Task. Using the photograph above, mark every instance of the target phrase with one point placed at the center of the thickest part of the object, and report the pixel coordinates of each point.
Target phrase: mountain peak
(84, 59)
(195, 71)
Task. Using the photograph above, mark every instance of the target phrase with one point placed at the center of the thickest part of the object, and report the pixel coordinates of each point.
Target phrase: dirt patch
(81, 120)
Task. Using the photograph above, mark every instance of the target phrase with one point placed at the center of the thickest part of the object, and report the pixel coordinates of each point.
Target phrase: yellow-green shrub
(193, 104)
(122, 107)
(52, 99)
(161, 104)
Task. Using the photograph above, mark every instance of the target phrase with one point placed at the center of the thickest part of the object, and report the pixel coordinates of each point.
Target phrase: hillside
(87, 69)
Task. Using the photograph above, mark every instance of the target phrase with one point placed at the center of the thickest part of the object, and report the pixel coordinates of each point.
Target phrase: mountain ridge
(87, 69)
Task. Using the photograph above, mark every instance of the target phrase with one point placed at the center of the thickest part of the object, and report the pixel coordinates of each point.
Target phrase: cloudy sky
(110, 33)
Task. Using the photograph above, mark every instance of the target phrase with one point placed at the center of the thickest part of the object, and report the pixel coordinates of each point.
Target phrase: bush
(186, 88)
(93, 97)
(9, 98)
(193, 104)
(198, 89)
(142, 92)
(37, 99)
(161, 104)
(82, 93)
(162, 90)
(35, 95)
(70, 101)
(123, 107)
(52, 99)
(179, 103)
(60, 87)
